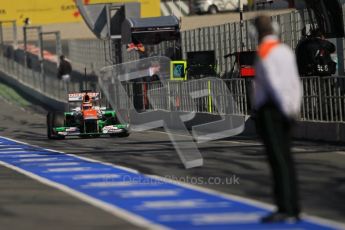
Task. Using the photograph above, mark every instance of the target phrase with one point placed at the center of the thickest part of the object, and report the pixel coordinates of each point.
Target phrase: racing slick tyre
(126, 134)
(54, 119)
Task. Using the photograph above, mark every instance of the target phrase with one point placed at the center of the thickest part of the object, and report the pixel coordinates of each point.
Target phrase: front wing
(75, 131)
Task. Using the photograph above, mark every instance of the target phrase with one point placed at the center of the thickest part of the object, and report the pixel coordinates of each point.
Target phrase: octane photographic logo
(159, 180)
(171, 103)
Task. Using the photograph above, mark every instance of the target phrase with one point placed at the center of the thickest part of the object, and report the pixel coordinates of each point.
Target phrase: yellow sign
(178, 70)
(59, 11)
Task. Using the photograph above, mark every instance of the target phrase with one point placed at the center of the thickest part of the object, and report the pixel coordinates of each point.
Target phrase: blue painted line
(159, 202)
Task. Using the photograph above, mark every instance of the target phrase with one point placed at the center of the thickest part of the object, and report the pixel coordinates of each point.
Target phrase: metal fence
(178, 96)
(323, 99)
(323, 96)
(8, 32)
(225, 39)
(29, 61)
(32, 78)
(12, 63)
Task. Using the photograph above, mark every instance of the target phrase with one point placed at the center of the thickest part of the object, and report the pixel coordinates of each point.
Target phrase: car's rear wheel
(213, 9)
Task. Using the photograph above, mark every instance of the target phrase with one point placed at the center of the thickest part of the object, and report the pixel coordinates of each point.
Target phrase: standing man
(277, 100)
(65, 69)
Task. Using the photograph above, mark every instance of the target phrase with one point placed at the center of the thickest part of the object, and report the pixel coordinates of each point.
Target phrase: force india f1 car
(86, 119)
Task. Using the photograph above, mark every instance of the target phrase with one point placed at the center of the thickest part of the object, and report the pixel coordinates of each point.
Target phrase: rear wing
(78, 97)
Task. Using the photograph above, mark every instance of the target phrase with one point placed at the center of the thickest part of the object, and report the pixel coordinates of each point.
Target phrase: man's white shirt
(277, 79)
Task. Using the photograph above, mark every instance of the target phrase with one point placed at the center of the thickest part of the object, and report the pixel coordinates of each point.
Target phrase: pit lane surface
(37, 206)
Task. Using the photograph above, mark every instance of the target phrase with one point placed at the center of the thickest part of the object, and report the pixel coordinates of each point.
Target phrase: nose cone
(90, 114)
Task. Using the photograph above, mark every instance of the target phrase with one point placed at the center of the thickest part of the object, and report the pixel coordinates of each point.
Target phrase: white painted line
(139, 221)
(310, 148)
(25, 155)
(216, 193)
(116, 211)
(95, 176)
(215, 218)
(60, 164)
(247, 142)
(341, 153)
(227, 141)
(181, 204)
(323, 221)
(107, 184)
(12, 152)
(1, 149)
(39, 159)
(259, 204)
(149, 193)
(76, 156)
(75, 169)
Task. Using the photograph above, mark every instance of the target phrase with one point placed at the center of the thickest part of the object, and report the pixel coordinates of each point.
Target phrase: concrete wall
(304, 130)
(48, 102)
(320, 131)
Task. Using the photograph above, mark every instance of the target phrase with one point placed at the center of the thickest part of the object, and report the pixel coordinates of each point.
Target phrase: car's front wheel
(124, 134)
(54, 119)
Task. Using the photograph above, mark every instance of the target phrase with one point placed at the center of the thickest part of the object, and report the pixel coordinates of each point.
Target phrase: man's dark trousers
(274, 128)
